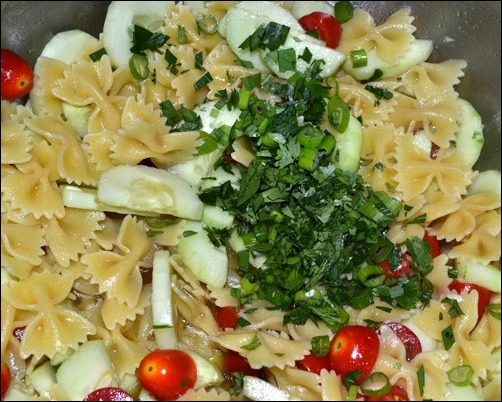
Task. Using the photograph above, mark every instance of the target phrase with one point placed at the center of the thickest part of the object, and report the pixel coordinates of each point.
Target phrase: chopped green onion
(371, 276)
(138, 64)
(207, 23)
(208, 145)
(448, 337)
(243, 260)
(344, 11)
(310, 137)
(320, 345)
(244, 95)
(421, 379)
(494, 310)
(461, 375)
(328, 143)
(182, 35)
(352, 394)
(203, 81)
(308, 158)
(247, 285)
(338, 113)
(359, 58)
(380, 208)
(377, 384)
(95, 56)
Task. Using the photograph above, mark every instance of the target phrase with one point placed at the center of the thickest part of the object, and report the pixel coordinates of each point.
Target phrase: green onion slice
(377, 384)
(138, 64)
(494, 310)
(308, 158)
(371, 276)
(320, 345)
(359, 58)
(461, 375)
(310, 137)
(338, 113)
(207, 23)
(344, 11)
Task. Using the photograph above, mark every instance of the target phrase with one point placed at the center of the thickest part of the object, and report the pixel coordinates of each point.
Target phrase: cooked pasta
(76, 269)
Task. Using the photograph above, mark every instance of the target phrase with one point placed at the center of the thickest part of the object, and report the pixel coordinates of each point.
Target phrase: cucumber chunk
(42, 378)
(489, 180)
(78, 117)
(469, 138)
(87, 369)
(207, 262)
(207, 372)
(479, 274)
(302, 8)
(419, 51)
(272, 12)
(68, 46)
(347, 153)
(458, 393)
(143, 188)
(257, 389)
(119, 23)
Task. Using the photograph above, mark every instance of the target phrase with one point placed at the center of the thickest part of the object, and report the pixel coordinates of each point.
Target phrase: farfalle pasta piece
(118, 273)
(54, 330)
(378, 154)
(432, 80)
(483, 245)
(264, 348)
(202, 394)
(69, 236)
(72, 163)
(262, 318)
(124, 84)
(219, 8)
(416, 171)
(99, 146)
(437, 116)
(309, 330)
(332, 388)
(8, 109)
(87, 83)
(301, 384)
(16, 143)
(46, 71)
(22, 247)
(391, 39)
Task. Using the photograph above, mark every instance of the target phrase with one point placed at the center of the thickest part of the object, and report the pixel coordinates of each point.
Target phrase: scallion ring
(308, 159)
(461, 375)
(207, 23)
(338, 113)
(377, 384)
(310, 137)
(494, 310)
(371, 276)
(320, 345)
(138, 64)
(344, 11)
(359, 58)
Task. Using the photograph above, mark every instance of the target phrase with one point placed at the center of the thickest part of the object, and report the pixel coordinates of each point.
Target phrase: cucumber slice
(78, 117)
(68, 46)
(489, 180)
(479, 274)
(87, 369)
(196, 7)
(42, 378)
(216, 217)
(347, 153)
(458, 393)
(299, 41)
(469, 138)
(238, 25)
(119, 23)
(146, 189)
(164, 326)
(207, 262)
(257, 389)
(419, 51)
(207, 372)
(272, 12)
(302, 8)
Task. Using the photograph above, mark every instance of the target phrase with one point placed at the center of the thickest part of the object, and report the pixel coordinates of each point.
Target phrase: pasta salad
(247, 201)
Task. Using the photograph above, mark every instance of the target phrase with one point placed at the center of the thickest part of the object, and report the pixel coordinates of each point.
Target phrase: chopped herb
(242, 322)
(270, 36)
(455, 309)
(255, 343)
(251, 81)
(169, 111)
(182, 35)
(203, 81)
(244, 63)
(351, 377)
(448, 337)
(320, 345)
(377, 74)
(143, 39)
(188, 233)
(421, 379)
(494, 310)
(95, 56)
(199, 61)
(207, 23)
(379, 93)
(419, 219)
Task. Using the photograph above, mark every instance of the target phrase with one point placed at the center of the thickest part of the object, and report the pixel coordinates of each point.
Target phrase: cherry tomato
(167, 373)
(396, 393)
(235, 363)
(327, 27)
(411, 342)
(226, 317)
(17, 75)
(403, 269)
(109, 394)
(484, 294)
(434, 243)
(5, 379)
(314, 363)
(354, 347)
(19, 333)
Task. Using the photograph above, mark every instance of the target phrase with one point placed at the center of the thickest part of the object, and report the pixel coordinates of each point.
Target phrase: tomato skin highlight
(434, 243)
(327, 27)
(484, 295)
(6, 378)
(226, 317)
(17, 75)
(109, 394)
(167, 373)
(396, 393)
(411, 342)
(402, 270)
(354, 347)
(314, 364)
(235, 363)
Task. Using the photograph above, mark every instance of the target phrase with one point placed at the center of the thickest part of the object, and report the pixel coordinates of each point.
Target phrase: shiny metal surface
(469, 30)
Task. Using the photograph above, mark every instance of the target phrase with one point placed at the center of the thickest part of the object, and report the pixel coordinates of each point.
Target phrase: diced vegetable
(68, 46)
(347, 152)
(257, 389)
(207, 372)
(469, 138)
(301, 8)
(489, 180)
(142, 188)
(78, 117)
(42, 378)
(479, 274)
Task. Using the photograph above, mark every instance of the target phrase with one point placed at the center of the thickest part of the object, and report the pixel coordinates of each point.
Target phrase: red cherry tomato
(396, 393)
(109, 394)
(434, 243)
(484, 294)
(403, 269)
(167, 373)
(314, 363)
(17, 75)
(354, 347)
(226, 317)
(235, 363)
(327, 27)
(411, 342)
(5, 379)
